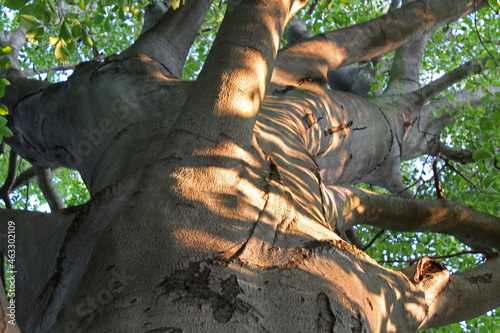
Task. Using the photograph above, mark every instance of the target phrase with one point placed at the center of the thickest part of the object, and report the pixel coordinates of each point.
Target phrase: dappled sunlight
(279, 130)
(191, 238)
(219, 190)
(241, 102)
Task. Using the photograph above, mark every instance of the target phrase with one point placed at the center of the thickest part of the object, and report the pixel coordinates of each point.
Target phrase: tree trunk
(222, 205)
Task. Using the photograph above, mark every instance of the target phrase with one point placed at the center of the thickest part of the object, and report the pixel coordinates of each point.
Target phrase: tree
(227, 203)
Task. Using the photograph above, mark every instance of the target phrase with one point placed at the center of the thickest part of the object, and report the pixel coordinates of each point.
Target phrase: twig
(9, 181)
(370, 243)
(481, 39)
(486, 253)
(312, 7)
(447, 163)
(439, 189)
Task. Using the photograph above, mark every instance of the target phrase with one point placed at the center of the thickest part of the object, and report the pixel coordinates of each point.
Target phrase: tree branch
(465, 295)
(462, 156)
(405, 70)
(169, 41)
(422, 136)
(15, 39)
(235, 76)
(360, 42)
(474, 228)
(435, 87)
(19, 87)
(48, 188)
(39, 237)
(9, 181)
(51, 69)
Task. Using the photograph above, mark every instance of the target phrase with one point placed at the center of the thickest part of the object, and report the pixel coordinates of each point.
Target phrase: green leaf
(65, 33)
(15, 4)
(3, 121)
(3, 83)
(98, 19)
(28, 21)
(4, 131)
(487, 181)
(175, 3)
(5, 50)
(490, 63)
(486, 124)
(479, 155)
(4, 63)
(496, 117)
(4, 110)
(86, 38)
(81, 4)
(76, 31)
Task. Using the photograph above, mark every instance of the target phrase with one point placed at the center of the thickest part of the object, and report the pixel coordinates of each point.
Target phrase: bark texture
(223, 205)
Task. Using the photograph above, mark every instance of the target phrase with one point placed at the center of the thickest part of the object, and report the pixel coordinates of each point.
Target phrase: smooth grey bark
(48, 188)
(212, 205)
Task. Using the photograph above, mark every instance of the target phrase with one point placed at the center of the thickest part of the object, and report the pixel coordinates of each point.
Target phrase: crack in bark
(274, 175)
(283, 91)
(326, 318)
(48, 294)
(335, 129)
(320, 182)
(165, 330)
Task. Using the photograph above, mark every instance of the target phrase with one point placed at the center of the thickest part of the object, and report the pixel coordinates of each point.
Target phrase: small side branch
(51, 69)
(370, 243)
(476, 229)
(169, 40)
(462, 156)
(9, 181)
(49, 190)
(434, 88)
(465, 295)
(437, 184)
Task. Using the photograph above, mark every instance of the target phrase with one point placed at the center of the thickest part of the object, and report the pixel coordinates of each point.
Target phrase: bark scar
(335, 129)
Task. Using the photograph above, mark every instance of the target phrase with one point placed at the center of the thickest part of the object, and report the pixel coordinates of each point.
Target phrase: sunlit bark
(219, 205)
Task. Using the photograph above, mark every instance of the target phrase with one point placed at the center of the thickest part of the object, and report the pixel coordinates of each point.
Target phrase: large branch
(360, 42)
(19, 87)
(405, 70)
(474, 228)
(235, 76)
(464, 295)
(169, 41)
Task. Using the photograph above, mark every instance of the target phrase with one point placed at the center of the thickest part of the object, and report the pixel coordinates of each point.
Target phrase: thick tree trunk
(219, 205)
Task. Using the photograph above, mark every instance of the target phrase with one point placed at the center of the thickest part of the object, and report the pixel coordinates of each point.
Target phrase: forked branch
(325, 52)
